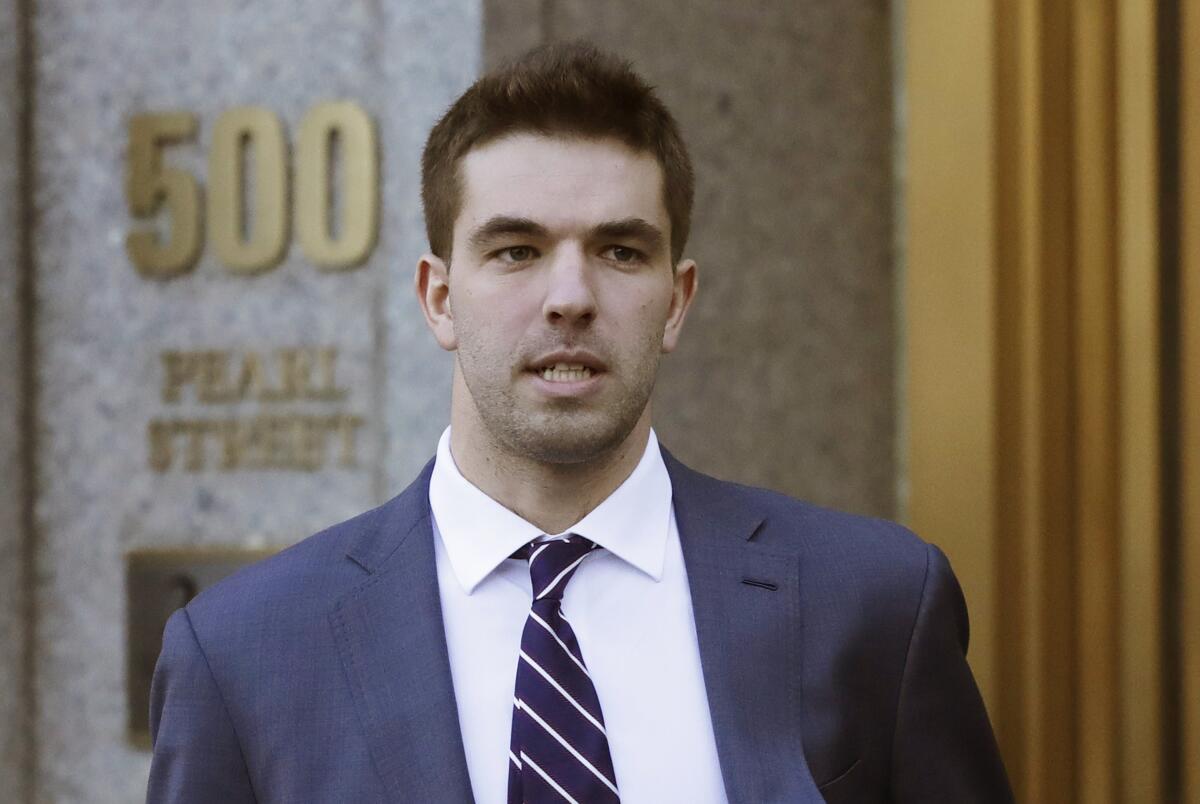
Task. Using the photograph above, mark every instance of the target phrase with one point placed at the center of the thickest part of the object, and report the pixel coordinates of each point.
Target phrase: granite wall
(784, 377)
(233, 402)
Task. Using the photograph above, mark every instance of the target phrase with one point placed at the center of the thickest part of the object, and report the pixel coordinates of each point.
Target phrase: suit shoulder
(792, 522)
(843, 555)
(852, 561)
(825, 529)
(314, 571)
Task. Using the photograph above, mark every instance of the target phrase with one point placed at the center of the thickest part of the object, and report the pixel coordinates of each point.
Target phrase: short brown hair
(566, 88)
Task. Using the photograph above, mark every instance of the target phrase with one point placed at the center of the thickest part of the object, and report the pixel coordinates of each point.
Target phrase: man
(556, 609)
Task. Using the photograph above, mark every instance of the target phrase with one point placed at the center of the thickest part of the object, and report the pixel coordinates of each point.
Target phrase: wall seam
(27, 384)
(900, 413)
(1170, 398)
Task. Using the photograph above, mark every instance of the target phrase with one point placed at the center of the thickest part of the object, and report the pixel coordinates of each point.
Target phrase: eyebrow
(630, 228)
(626, 228)
(503, 225)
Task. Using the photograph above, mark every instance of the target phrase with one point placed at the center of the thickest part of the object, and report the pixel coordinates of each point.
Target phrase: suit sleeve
(197, 756)
(943, 749)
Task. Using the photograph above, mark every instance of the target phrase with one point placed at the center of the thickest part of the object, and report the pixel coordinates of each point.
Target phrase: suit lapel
(392, 644)
(749, 636)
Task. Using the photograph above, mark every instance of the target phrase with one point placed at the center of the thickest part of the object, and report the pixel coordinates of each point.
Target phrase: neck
(551, 496)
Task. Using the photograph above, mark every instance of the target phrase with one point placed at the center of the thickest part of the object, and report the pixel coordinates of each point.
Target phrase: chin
(566, 439)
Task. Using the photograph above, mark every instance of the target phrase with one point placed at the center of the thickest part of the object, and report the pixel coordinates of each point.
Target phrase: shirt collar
(632, 523)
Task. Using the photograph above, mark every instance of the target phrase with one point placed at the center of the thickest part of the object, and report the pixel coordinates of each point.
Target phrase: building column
(16, 704)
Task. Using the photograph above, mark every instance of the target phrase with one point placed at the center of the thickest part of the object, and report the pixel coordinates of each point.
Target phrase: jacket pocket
(841, 784)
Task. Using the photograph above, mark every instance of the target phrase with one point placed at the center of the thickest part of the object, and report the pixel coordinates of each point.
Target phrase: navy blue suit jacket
(838, 674)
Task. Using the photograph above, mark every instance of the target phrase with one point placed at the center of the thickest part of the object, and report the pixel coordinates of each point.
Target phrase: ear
(432, 283)
(682, 293)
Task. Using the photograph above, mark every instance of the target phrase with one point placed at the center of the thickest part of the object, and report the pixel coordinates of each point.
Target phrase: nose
(569, 296)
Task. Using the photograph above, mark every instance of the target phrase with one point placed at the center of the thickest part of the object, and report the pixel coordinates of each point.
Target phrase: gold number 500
(247, 214)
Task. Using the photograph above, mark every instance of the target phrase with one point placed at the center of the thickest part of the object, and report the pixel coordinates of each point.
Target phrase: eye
(622, 254)
(517, 253)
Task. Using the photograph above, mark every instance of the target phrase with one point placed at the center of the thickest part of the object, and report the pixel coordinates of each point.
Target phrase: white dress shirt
(630, 608)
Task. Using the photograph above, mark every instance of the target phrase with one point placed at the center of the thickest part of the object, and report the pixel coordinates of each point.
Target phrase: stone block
(215, 409)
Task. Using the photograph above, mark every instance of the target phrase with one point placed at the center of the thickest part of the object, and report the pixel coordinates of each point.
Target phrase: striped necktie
(559, 748)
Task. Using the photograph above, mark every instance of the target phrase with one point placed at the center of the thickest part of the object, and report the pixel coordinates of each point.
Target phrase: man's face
(561, 297)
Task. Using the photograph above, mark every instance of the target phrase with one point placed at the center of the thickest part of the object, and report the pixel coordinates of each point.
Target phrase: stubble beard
(560, 431)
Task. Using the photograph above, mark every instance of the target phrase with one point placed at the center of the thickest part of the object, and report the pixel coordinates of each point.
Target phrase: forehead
(560, 182)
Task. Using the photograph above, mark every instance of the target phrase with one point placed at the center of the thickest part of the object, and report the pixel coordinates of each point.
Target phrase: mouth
(570, 373)
(567, 365)
(565, 372)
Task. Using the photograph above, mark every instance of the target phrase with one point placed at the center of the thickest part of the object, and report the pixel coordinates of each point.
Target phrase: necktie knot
(552, 563)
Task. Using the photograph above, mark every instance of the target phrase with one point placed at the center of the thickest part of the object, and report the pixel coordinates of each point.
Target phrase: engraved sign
(266, 440)
(247, 220)
(247, 214)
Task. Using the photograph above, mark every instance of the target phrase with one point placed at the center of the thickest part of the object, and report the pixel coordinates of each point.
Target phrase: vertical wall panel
(1189, 616)
(1095, 376)
(1072, 423)
(1139, 450)
(949, 414)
